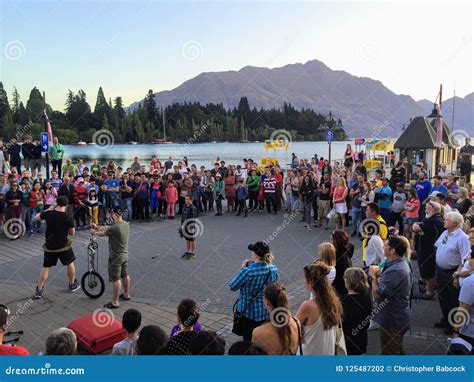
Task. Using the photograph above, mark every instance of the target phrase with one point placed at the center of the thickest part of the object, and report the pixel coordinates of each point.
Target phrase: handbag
(340, 346)
(237, 328)
(332, 214)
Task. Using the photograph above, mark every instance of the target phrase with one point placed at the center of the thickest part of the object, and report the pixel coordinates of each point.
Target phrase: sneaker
(74, 286)
(38, 230)
(39, 293)
(30, 232)
(192, 256)
(186, 255)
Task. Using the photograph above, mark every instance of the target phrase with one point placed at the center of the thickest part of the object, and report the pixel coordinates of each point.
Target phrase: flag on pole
(439, 127)
(48, 124)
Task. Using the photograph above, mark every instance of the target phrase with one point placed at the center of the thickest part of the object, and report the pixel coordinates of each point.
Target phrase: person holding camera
(254, 275)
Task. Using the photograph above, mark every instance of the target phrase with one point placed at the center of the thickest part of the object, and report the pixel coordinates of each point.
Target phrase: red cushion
(97, 332)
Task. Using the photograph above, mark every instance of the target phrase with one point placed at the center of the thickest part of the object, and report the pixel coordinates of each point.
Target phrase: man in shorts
(59, 225)
(118, 234)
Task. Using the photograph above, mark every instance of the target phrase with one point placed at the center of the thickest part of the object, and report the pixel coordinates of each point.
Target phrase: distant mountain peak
(365, 105)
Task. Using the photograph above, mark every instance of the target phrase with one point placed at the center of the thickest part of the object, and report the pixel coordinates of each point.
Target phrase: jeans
(127, 206)
(356, 217)
(34, 225)
(219, 204)
(307, 211)
(289, 200)
(253, 203)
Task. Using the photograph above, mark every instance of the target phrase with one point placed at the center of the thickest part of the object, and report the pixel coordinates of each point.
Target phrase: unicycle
(92, 282)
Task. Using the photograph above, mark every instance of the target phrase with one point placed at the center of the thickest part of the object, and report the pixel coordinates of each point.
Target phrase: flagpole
(46, 156)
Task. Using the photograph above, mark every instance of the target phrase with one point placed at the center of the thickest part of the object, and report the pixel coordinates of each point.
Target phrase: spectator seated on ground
(207, 343)
(61, 341)
(131, 321)
(152, 340)
(6, 349)
(246, 348)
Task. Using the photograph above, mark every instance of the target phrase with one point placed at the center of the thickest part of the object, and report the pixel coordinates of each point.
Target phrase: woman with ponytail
(281, 335)
(321, 315)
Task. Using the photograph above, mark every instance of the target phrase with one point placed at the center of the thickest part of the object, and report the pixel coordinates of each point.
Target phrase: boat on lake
(162, 142)
(81, 143)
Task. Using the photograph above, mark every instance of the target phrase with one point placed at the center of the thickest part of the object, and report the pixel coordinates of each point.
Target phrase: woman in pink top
(412, 209)
(50, 195)
(171, 198)
(339, 202)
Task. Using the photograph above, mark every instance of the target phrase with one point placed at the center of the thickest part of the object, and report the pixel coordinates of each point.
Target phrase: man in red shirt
(8, 349)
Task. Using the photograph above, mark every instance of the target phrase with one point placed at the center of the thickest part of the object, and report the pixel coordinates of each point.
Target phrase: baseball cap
(260, 248)
(458, 346)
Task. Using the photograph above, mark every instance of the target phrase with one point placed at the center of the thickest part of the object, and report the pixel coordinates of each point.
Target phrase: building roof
(420, 134)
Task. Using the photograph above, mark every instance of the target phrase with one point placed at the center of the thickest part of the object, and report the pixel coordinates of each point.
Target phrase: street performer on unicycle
(59, 225)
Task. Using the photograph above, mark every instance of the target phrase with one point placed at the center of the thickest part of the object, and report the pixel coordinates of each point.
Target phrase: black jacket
(432, 228)
(27, 150)
(67, 192)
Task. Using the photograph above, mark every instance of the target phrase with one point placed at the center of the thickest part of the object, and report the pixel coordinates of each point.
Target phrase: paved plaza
(160, 278)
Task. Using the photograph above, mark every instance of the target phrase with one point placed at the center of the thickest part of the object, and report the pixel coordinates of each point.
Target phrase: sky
(128, 47)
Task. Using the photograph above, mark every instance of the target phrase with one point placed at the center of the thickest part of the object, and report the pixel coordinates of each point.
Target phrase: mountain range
(366, 107)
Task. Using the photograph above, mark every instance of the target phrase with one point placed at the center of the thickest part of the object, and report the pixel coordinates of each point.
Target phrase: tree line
(144, 124)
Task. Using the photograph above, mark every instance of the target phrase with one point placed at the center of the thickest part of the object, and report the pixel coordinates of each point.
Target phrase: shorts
(35, 164)
(118, 269)
(341, 208)
(51, 258)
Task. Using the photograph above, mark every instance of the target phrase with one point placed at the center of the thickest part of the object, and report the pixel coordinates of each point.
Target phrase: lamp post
(330, 124)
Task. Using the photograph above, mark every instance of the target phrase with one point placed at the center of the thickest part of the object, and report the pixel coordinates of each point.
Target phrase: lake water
(202, 153)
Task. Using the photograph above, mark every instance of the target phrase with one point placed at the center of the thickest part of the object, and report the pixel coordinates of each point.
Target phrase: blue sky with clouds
(128, 47)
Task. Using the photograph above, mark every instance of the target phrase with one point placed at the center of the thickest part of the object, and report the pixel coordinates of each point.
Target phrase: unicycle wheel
(93, 284)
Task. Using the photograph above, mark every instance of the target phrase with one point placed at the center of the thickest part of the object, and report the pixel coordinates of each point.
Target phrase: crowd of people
(399, 218)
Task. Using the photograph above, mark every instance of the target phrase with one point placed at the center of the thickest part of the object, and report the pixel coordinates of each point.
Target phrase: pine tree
(105, 123)
(118, 107)
(150, 106)
(15, 106)
(34, 106)
(101, 108)
(4, 105)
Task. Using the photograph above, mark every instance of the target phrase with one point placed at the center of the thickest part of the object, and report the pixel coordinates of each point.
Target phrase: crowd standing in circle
(412, 218)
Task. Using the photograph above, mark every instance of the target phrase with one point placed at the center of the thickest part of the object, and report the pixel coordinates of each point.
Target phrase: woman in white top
(321, 315)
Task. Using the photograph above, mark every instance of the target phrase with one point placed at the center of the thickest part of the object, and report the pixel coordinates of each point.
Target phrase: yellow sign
(276, 144)
(371, 164)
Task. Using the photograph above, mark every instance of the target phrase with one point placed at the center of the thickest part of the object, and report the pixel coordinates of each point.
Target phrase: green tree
(101, 108)
(15, 106)
(4, 105)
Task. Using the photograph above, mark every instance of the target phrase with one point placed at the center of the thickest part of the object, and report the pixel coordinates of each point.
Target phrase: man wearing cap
(423, 189)
(113, 187)
(6, 349)
(118, 235)
(59, 224)
(252, 278)
(383, 196)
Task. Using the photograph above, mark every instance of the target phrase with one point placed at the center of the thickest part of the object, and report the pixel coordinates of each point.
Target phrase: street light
(330, 124)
